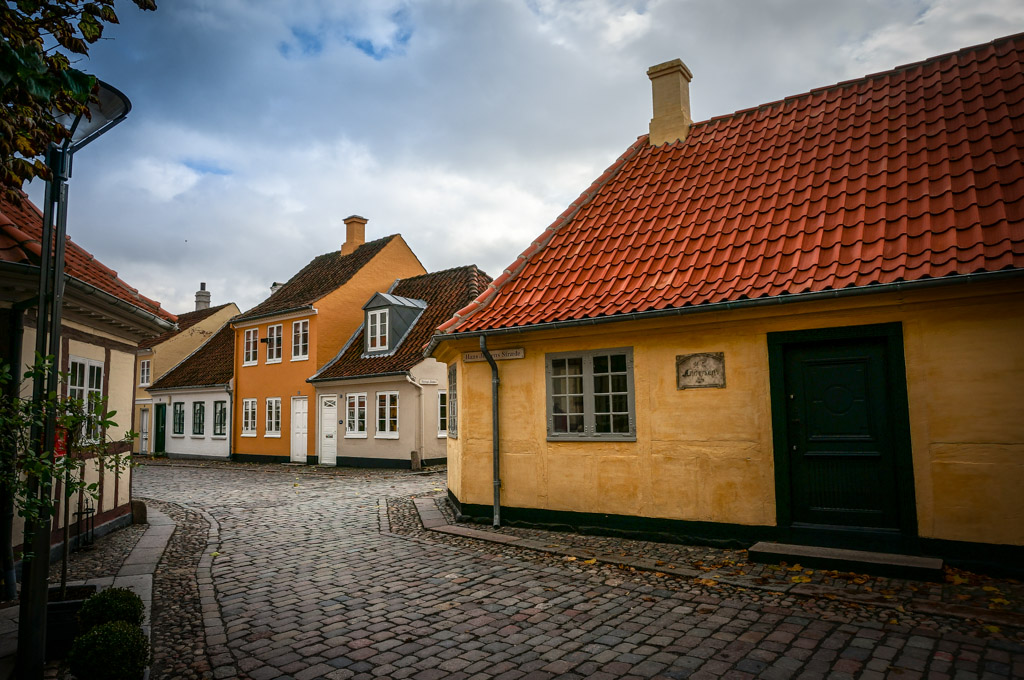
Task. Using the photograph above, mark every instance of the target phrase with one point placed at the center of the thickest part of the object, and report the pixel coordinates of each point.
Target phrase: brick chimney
(355, 233)
(202, 297)
(670, 85)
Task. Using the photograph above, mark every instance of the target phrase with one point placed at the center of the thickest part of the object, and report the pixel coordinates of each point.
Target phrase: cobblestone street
(330, 575)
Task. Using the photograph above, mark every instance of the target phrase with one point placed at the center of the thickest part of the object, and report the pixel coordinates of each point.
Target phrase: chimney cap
(202, 285)
(667, 67)
(355, 218)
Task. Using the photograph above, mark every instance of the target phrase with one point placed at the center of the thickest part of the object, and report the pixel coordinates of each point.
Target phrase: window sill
(387, 435)
(355, 436)
(305, 358)
(272, 361)
(178, 436)
(442, 435)
(272, 435)
(250, 363)
(220, 436)
(248, 434)
(197, 436)
(592, 438)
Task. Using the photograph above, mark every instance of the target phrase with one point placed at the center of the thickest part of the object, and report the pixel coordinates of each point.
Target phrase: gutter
(89, 289)
(841, 293)
(264, 315)
(387, 374)
(419, 420)
(495, 382)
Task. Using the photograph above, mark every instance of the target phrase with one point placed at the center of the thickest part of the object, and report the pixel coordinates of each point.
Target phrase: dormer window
(377, 333)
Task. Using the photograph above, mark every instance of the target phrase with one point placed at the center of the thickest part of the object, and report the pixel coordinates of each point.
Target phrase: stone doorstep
(861, 561)
(809, 590)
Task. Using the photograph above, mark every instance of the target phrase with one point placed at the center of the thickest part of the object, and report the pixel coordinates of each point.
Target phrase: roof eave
(877, 288)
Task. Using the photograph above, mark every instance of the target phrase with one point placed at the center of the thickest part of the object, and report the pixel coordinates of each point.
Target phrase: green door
(159, 427)
(845, 455)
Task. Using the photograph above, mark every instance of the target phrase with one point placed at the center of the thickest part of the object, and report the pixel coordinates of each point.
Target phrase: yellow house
(158, 355)
(800, 322)
(288, 337)
(103, 322)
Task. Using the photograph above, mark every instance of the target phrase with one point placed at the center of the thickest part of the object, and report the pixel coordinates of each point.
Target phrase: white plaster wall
(188, 444)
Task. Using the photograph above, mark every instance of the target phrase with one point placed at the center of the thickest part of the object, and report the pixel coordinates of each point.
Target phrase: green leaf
(92, 30)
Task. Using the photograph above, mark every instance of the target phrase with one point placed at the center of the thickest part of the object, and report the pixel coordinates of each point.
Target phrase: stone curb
(434, 520)
(213, 624)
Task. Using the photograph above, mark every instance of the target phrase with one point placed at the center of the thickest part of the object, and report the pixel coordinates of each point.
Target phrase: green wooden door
(840, 449)
(844, 472)
(159, 428)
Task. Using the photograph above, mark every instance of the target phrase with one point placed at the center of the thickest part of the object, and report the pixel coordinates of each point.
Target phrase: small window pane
(619, 363)
(558, 367)
(601, 403)
(621, 423)
(561, 423)
(619, 383)
(576, 404)
(603, 423)
(576, 423)
(600, 364)
(575, 366)
(574, 385)
(601, 383)
(620, 403)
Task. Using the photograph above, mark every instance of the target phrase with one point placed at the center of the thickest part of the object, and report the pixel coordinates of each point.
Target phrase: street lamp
(110, 108)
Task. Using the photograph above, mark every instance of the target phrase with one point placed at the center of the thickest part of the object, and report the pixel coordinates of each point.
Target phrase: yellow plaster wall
(707, 455)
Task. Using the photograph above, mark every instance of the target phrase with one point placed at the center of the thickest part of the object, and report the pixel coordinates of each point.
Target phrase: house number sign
(700, 370)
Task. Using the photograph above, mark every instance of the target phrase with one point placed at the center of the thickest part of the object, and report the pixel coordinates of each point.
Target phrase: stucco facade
(419, 428)
(708, 455)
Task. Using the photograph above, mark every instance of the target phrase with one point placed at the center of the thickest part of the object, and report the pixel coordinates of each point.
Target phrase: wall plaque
(700, 370)
(496, 354)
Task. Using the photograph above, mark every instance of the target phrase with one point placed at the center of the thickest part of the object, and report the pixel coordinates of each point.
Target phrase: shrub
(111, 651)
(112, 604)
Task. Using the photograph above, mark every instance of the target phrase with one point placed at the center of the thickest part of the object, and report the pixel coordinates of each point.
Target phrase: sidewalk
(990, 605)
(135, 573)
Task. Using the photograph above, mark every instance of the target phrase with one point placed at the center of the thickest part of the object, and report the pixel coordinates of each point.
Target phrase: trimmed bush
(112, 604)
(111, 651)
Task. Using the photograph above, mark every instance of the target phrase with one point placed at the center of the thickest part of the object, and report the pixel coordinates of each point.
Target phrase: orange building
(288, 337)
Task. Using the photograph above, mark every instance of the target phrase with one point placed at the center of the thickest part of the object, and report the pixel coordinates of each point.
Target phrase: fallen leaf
(801, 579)
(990, 589)
(1000, 600)
(992, 629)
(590, 561)
(570, 559)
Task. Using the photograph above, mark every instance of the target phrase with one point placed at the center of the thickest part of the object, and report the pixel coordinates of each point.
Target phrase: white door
(300, 411)
(144, 431)
(328, 429)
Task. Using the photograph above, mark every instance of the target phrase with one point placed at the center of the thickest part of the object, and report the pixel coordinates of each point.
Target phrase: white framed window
(144, 372)
(273, 423)
(178, 418)
(300, 340)
(590, 395)
(248, 417)
(377, 330)
(387, 415)
(220, 418)
(250, 350)
(198, 418)
(274, 343)
(355, 415)
(85, 382)
(442, 413)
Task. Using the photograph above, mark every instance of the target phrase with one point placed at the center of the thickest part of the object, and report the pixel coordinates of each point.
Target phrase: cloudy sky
(465, 125)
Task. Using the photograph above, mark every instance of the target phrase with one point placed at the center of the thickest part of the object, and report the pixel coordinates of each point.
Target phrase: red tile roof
(900, 176)
(185, 321)
(444, 292)
(21, 233)
(212, 364)
(322, 275)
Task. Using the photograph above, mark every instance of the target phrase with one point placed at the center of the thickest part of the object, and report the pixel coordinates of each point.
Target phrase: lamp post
(109, 109)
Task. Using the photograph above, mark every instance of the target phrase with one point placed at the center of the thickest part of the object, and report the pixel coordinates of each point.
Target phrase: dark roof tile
(212, 364)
